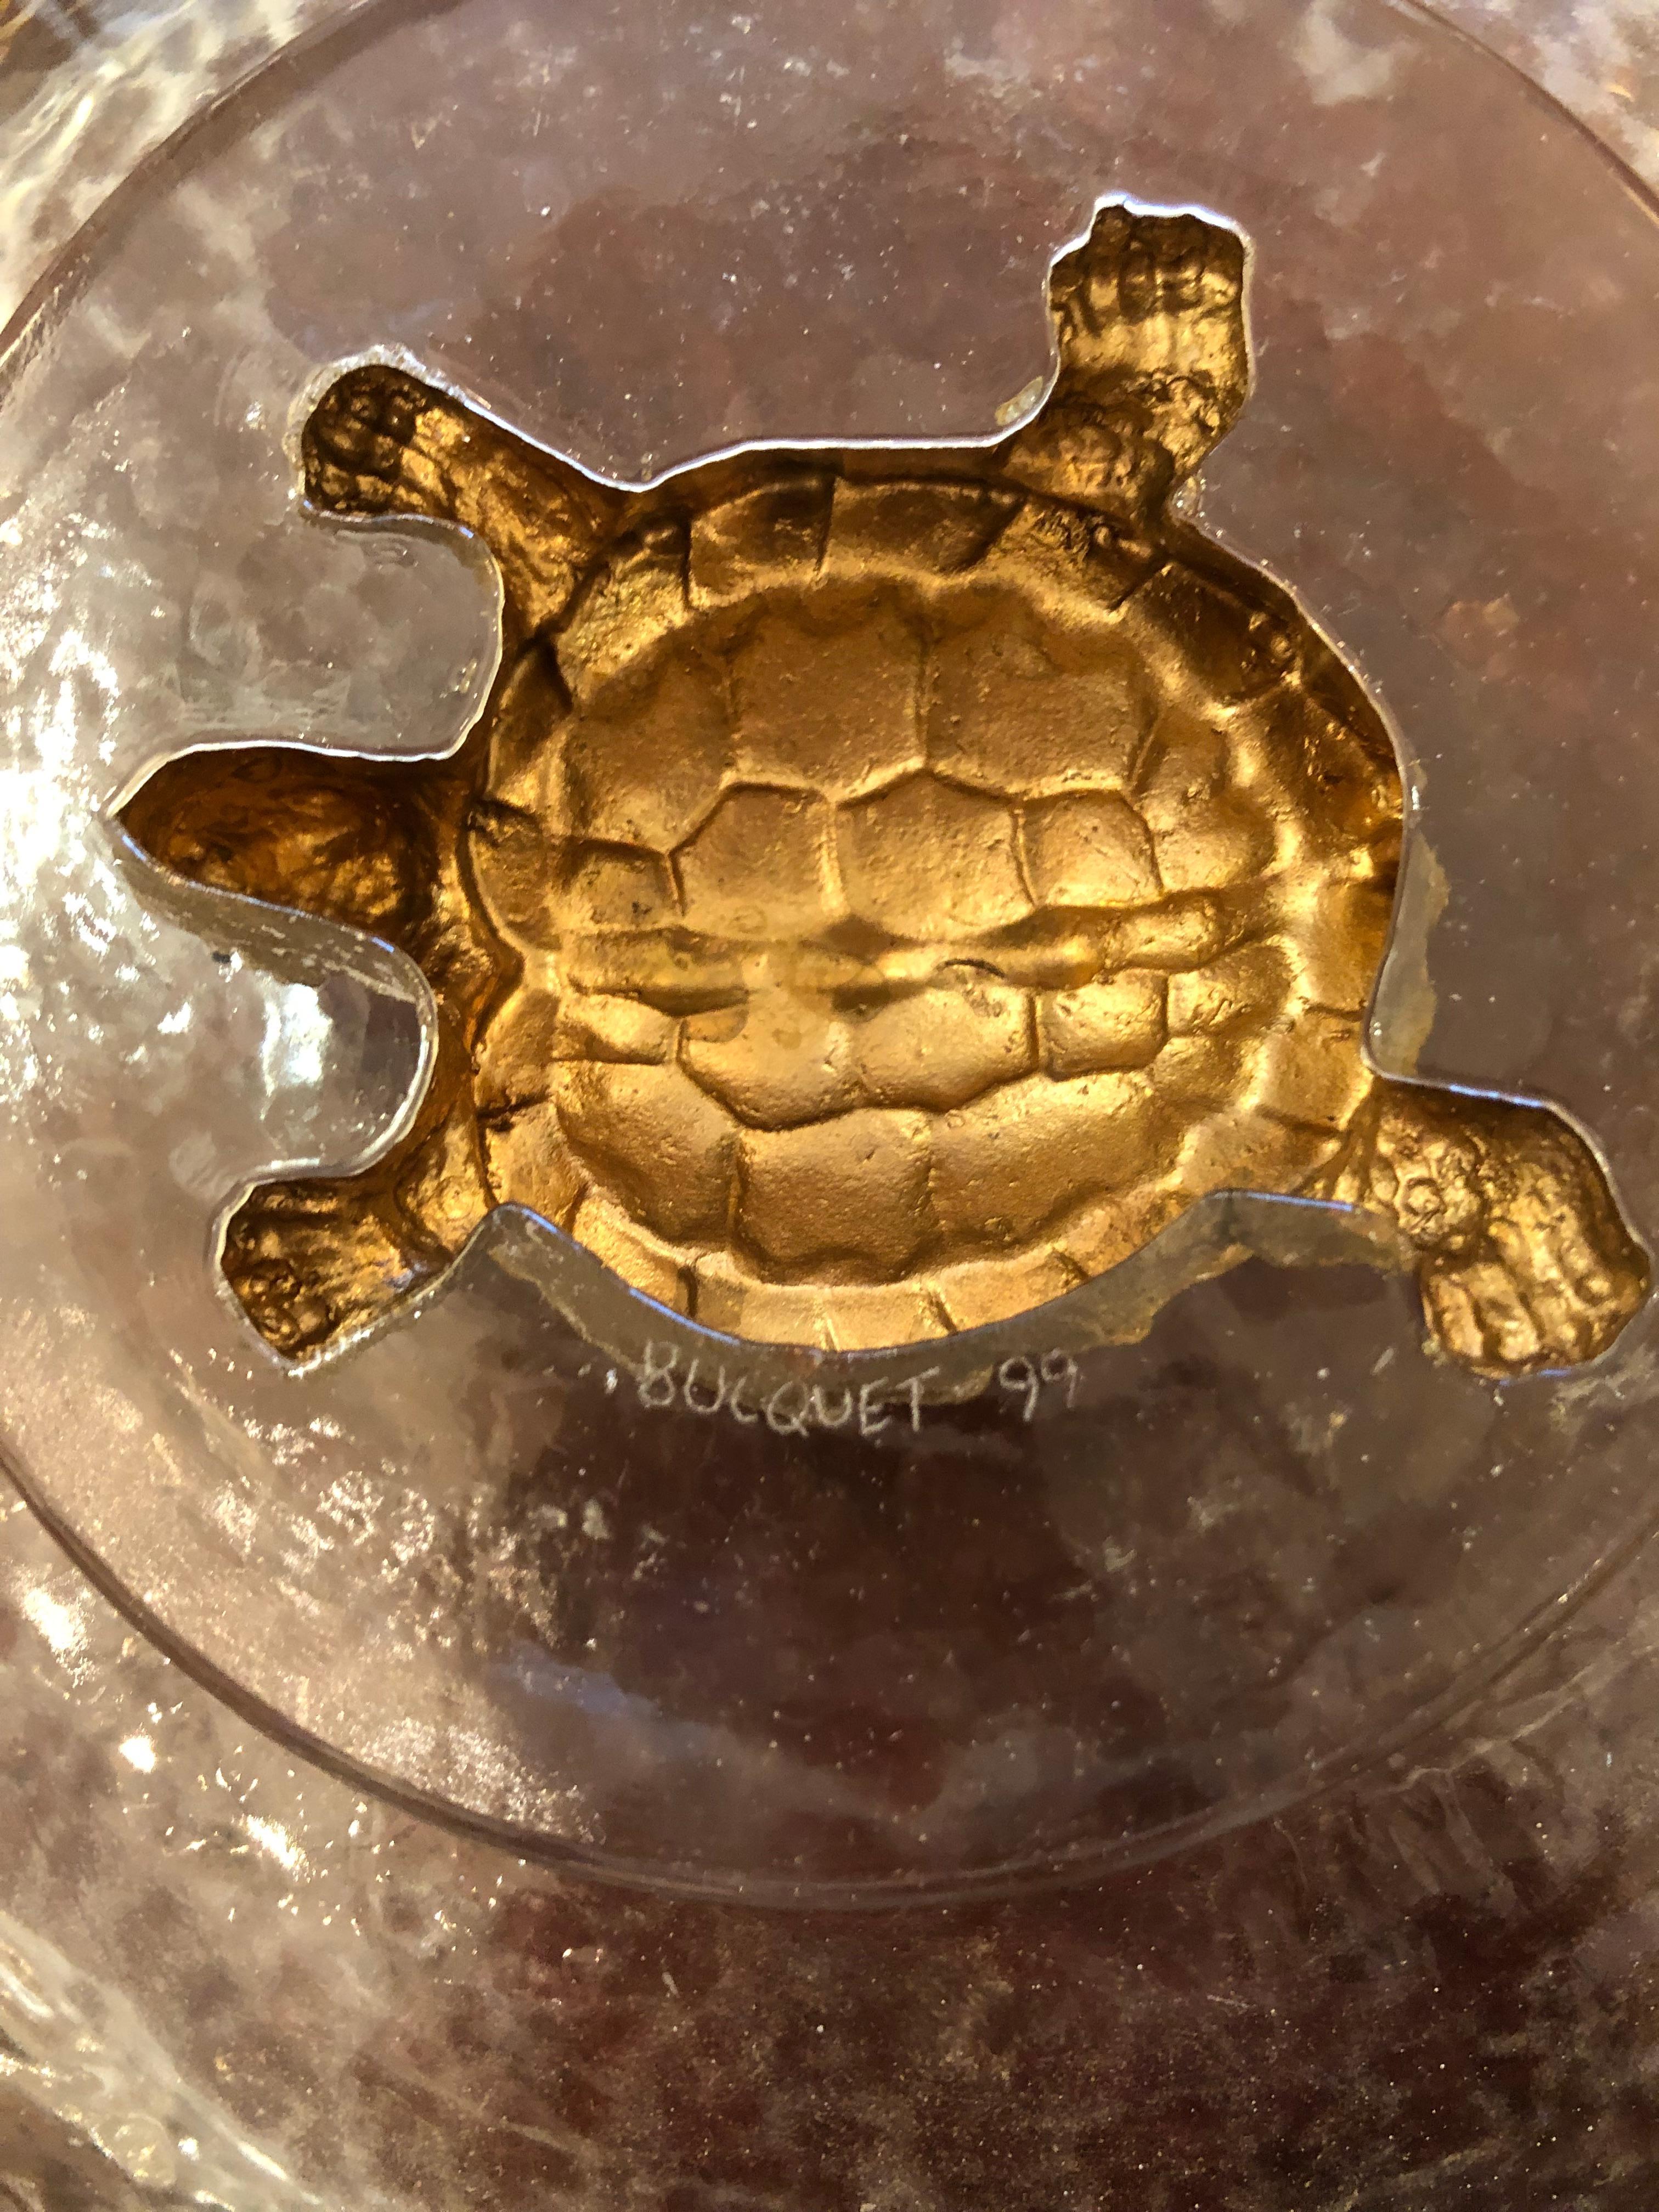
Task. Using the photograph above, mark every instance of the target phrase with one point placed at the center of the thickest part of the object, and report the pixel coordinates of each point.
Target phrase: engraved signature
(794, 1406)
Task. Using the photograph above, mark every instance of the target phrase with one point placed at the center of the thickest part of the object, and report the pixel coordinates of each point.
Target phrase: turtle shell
(923, 890)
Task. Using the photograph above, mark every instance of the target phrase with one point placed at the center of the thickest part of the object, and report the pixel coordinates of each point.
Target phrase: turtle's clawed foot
(1154, 364)
(312, 1263)
(362, 448)
(1524, 1261)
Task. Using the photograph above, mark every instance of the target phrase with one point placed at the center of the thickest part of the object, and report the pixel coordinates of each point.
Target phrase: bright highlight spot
(271, 1836)
(57, 1622)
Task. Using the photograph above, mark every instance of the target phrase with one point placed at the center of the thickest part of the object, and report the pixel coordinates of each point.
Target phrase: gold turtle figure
(885, 889)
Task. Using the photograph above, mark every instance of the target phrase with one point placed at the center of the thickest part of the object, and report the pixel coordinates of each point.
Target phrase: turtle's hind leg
(1523, 1258)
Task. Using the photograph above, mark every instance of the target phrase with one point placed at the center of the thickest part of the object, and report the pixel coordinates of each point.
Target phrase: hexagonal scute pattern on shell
(891, 933)
(1011, 710)
(760, 867)
(834, 710)
(930, 861)
(647, 770)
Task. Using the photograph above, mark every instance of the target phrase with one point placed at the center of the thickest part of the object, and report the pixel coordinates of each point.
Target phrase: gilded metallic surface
(884, 891)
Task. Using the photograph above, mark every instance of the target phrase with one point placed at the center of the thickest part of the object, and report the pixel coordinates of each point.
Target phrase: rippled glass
(476, 1564)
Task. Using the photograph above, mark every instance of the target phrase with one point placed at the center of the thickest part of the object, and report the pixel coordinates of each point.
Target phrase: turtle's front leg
(379, 442)
(1523, 1258)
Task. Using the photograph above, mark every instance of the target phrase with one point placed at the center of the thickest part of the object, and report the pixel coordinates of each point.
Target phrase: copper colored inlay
(885, 889)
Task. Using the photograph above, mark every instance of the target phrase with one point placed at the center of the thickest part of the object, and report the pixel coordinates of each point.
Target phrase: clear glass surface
(468, 1562)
